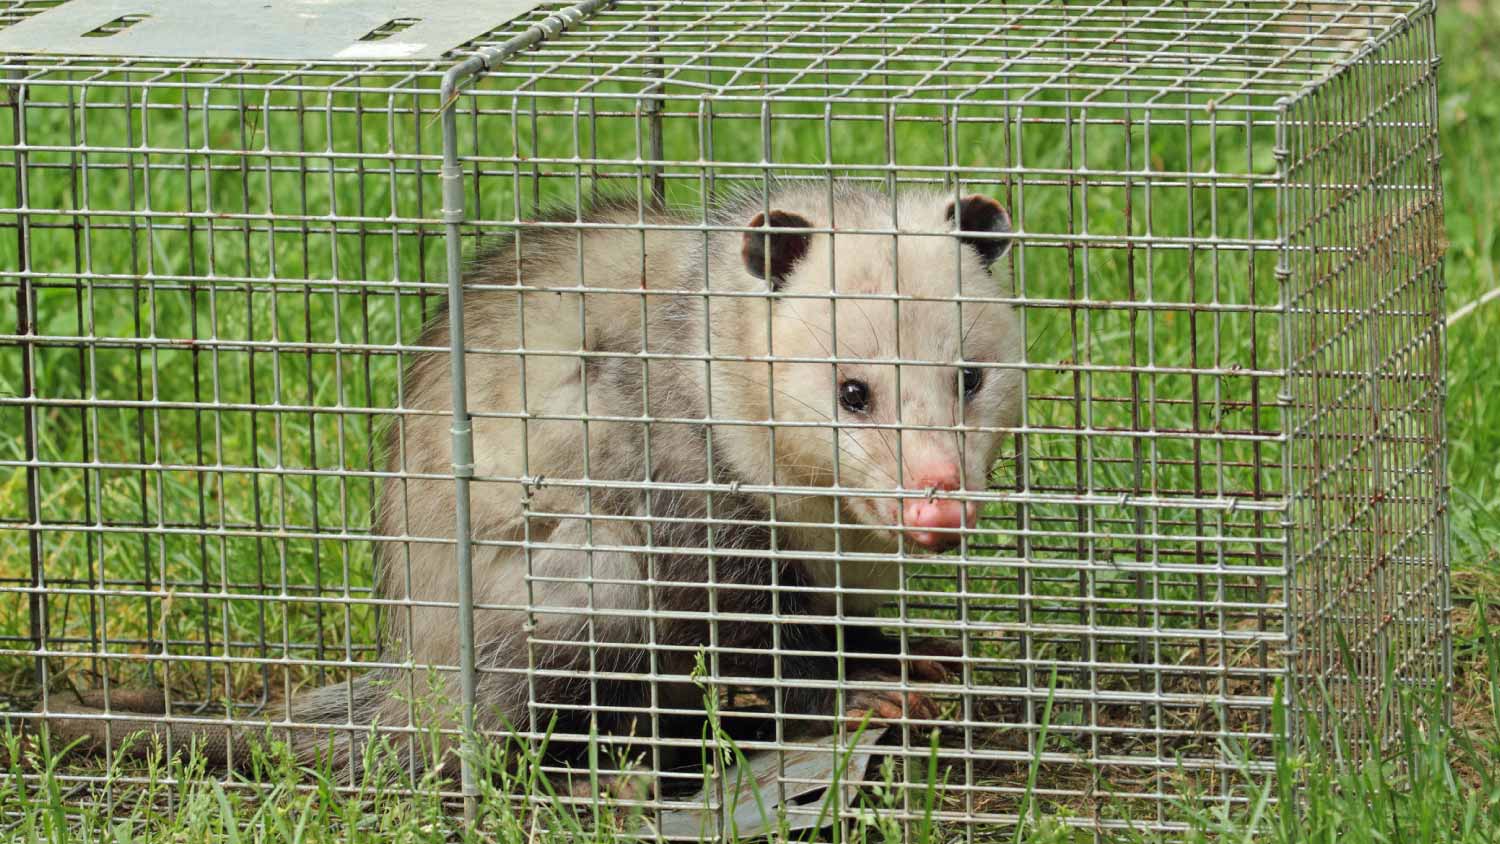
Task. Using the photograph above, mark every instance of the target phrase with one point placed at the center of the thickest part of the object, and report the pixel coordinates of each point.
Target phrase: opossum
(692, 355)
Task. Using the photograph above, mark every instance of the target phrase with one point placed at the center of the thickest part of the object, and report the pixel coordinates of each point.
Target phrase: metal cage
(1227, 478)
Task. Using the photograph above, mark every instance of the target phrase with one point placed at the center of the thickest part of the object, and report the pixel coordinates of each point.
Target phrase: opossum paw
(886, 705)
(629, 785)
(942, 663)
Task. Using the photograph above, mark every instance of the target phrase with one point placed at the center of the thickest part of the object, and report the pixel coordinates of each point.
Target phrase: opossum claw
(943, 664)
(633, 785)
(886, 705)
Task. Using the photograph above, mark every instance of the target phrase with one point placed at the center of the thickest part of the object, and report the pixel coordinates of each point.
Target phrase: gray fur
(417, 565)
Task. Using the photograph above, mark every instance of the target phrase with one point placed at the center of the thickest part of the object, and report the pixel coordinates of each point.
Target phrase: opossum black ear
(771, 255)
(980, 213)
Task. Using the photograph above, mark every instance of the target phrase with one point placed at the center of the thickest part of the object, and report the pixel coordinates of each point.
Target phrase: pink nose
(935, 523)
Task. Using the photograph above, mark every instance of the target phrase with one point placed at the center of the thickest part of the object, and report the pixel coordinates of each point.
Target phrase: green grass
(1470, 122)
(1437, 785)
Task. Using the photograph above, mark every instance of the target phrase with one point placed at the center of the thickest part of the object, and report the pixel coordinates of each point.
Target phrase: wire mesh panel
(1363, 265)
(215, 274)
(1045, 383)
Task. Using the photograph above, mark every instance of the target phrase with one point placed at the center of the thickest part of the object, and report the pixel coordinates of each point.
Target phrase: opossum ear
(980, 213)
(775, 252)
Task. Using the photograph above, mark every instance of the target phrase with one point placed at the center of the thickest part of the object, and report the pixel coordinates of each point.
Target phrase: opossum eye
(972, 379)
(854, 396)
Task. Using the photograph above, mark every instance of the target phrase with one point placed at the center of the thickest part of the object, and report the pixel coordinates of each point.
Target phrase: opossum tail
(133, 725)
(334, 729)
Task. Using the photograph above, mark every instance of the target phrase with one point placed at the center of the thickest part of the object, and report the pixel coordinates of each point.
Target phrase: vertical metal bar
(1440, 459)
(654, 107)
(463, 431)
(1367, 209)
(195, 355)
(247, 241)
(77, 165)
(1013, 123)
(590, 606)
(365, 358)
(1257, 449)
(1285, 399)
(335, 297)
(524, 401)
(304, 230)
(36, 602)
(143, 489)
(155, 287)
(1137, 450)
(404, 611)
(280, 519)
(226, 628)
(453, 215)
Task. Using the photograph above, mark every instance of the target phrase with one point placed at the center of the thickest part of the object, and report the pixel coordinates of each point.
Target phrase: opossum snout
(934, 523)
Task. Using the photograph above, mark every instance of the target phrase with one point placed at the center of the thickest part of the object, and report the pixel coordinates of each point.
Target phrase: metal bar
(36, 604)
(463, 431)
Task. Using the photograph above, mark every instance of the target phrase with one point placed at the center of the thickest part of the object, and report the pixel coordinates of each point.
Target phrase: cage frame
(454, 217)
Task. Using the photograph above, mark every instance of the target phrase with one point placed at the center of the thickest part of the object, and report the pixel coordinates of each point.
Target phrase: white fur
(614, 260)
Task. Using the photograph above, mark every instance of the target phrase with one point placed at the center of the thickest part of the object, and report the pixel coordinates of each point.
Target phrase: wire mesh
(232, 480)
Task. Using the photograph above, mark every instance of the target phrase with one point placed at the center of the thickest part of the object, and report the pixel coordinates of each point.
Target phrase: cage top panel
(284, 30)
(1089, 54)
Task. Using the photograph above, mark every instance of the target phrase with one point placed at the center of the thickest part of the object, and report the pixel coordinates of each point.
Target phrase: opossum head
(899, 383)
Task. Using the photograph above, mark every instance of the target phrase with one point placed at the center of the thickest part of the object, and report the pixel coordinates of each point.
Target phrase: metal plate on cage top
(290, 30)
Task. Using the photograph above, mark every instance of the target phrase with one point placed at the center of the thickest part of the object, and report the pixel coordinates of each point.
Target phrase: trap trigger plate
(752, 798)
